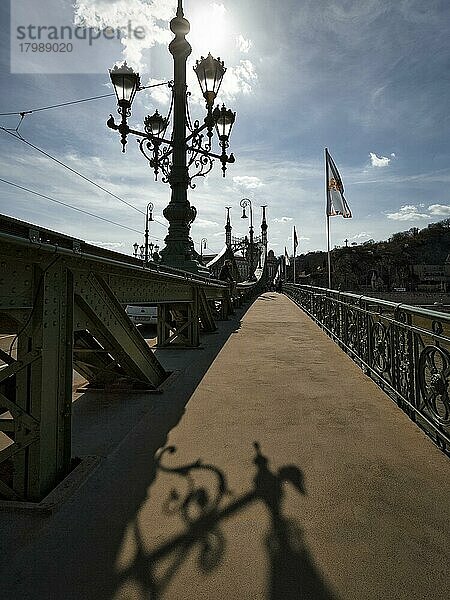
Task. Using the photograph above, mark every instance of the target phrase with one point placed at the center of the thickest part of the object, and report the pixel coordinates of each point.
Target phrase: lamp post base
(179, 252)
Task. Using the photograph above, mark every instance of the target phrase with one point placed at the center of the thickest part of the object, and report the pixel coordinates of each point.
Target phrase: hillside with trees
(391, 262)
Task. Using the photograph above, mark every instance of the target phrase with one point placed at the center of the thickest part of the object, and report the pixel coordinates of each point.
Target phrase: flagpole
(329, 253)
(328, 217)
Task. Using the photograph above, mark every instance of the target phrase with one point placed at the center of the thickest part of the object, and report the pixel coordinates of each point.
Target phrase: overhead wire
(33, 110)
(16, 134)
(73, 207)
(59, 162)
(22, 139)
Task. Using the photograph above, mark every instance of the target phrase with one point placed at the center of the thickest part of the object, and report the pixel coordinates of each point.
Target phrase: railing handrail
(408, 308)
(405, 349)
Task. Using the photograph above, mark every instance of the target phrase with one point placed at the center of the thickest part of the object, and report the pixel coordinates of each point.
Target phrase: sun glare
(210, 30)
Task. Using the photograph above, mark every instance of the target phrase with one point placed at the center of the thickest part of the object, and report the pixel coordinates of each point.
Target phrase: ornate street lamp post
(173, 155)
(148, 217)
(139, 251)
(244, 203)
(203, 244)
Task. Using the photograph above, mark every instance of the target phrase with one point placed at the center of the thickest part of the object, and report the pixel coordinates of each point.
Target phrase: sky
(368, 79)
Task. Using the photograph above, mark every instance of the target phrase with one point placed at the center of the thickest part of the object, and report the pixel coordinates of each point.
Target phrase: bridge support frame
(43, 386)
(178, 324)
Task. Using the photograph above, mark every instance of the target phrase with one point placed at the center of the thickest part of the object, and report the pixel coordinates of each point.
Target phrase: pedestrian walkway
(287, 474)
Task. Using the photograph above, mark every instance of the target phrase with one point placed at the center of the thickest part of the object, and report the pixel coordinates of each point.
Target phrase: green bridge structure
(264, 445)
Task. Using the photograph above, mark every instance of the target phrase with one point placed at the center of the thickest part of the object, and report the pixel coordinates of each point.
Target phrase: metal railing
(404, 348)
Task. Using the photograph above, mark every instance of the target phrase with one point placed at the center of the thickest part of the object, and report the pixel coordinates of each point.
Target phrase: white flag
(287, 262)
(336, 203)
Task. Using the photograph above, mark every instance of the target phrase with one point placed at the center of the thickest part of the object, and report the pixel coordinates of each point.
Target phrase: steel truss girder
(205, 313)
(118, 351)
(51, 292)
(36, 389)
(178, 324)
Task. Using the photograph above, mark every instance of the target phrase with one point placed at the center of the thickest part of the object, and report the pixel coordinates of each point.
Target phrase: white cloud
(299, 238)
(160, 94)
(219, 8)
(247, 182)
(379, 161)
(441, 210)
(101, 14)
(361, 236)
(239, 80)
(282, 220)
(407, 213)
(153, 17)
(205, 224)
(108, 245)
(243, 44)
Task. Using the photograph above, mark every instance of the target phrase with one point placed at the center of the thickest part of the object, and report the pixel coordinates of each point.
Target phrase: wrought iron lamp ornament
(158, 149)
(187, 152)
(126, 83)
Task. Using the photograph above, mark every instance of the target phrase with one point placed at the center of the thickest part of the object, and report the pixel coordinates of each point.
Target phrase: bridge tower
(228, 228)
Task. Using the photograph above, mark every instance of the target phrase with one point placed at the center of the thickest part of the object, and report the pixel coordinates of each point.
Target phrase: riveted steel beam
(178, 324)
(43, 389)
(206, 313)
(99, 311)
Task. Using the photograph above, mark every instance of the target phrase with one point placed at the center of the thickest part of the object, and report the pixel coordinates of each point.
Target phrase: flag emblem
(333, 185)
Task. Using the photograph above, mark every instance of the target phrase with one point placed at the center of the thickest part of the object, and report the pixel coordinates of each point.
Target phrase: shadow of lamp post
(175, 154)
(246, 202)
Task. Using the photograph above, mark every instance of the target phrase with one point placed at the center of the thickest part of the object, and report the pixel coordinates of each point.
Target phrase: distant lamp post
(247, 203)
(263, 233)
(136, 248)
(148, 218)
(203, 244)
(175, 154)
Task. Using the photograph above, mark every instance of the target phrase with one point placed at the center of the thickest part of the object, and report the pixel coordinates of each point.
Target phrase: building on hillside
(433, 277)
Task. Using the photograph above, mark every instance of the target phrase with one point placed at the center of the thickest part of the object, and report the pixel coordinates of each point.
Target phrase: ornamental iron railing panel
(404, 348)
